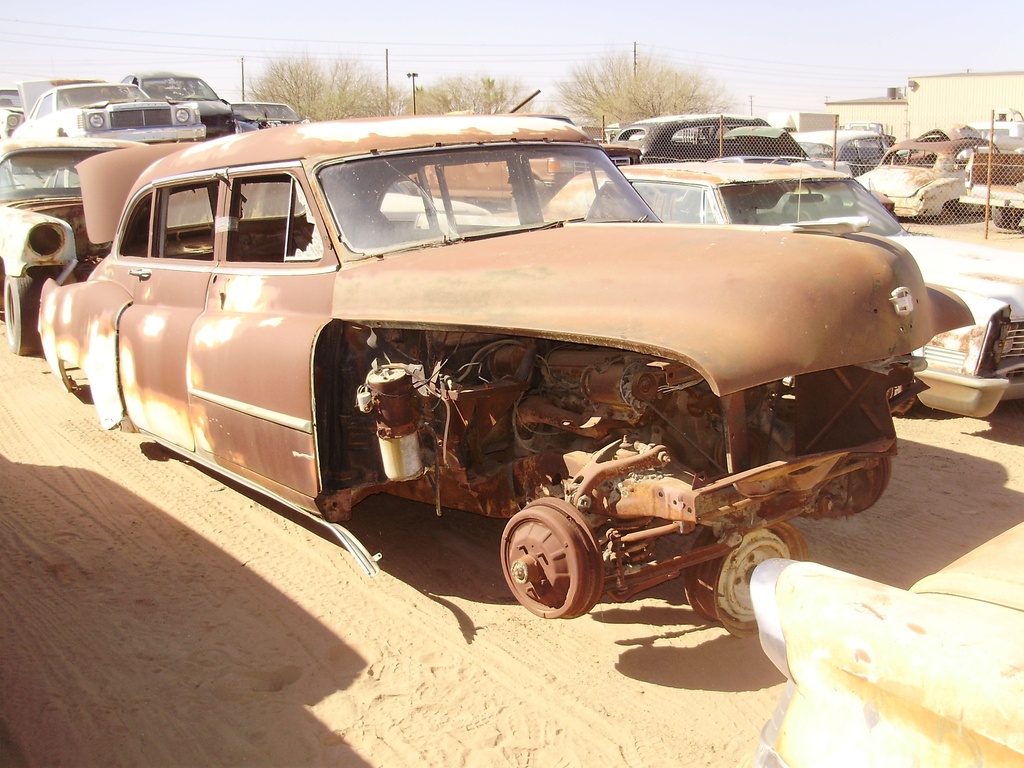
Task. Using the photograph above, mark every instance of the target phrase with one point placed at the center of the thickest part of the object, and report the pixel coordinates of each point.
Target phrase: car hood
(207, 108)
(742, 306)
(979, 269)
(899, 182)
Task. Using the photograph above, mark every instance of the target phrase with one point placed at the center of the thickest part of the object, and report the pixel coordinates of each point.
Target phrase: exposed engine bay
(597, 455)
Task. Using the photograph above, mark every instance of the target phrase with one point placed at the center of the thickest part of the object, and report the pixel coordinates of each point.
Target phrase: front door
(250, 353)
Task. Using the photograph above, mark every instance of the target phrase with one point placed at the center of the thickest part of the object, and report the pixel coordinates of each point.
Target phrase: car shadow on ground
(920, 525)
(117, 619)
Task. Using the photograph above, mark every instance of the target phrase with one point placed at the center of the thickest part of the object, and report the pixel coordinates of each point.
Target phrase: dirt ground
(152, 615)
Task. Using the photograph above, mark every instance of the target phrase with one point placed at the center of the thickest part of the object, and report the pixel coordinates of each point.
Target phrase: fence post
(988, 178)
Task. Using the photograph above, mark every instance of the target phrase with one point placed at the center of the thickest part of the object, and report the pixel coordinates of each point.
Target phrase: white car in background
(970, 369)
(42, 226)
(106, 111)
(11, 113)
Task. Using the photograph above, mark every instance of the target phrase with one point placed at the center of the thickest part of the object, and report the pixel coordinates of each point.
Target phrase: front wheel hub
(551, 560)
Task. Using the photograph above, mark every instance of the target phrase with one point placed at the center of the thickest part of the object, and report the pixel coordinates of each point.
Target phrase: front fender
(78, 327)
(30, 239)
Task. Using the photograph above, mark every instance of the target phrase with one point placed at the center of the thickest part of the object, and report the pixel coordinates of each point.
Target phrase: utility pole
(243, 78)
(751, 106)
(412, 76)
(387, 81)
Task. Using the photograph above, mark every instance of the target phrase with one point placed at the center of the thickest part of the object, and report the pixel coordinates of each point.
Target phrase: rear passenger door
(250, 353)
(166, 257)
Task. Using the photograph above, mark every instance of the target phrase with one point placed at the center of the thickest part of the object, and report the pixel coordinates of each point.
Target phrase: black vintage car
(706, 137)
(214, 111)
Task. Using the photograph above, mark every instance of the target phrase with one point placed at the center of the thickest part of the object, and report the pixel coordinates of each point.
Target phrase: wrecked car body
(42, 226)
(91, 109)
(11, 112)
(924, 176)
(480, 313)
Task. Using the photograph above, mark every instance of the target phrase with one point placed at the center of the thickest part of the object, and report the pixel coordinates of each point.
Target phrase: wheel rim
(720, 589)
(551, 561)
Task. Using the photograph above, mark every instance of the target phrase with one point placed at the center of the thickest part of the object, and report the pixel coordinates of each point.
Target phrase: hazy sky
(777, 56)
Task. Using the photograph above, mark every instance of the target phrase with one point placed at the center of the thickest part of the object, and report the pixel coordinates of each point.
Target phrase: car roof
(693, 116)
(156, 73)
(90, 84)
(16, 145)
(727, 173)
(362, 136)
(827, 137)
(938, 147)
(109, 180)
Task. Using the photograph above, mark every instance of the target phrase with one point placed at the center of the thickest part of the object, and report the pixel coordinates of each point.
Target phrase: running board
(333, 532)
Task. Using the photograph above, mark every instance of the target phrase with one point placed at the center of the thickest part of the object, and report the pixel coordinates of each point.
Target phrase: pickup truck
(1005, 193)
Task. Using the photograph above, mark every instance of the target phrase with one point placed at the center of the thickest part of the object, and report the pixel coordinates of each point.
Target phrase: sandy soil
(152, 615)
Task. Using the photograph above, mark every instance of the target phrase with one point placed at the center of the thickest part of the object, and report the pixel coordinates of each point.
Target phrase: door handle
(142, 274)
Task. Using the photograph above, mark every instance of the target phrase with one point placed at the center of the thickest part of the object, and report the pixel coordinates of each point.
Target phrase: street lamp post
(412, 76)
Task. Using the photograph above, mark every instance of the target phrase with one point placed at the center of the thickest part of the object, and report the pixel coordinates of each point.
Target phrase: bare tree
(479, 95)
(616, 88)
(323, 91)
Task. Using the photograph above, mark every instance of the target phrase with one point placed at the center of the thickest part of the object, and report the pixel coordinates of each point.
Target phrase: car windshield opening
(791, 201)
(97, 94)
(179, 89)
(385, 204)
(42, 173)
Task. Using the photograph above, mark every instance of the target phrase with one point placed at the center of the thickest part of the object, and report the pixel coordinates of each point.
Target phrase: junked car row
(482, 313)
(148, 107)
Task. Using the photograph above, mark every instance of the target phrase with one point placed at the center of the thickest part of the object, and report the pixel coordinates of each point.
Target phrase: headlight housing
(183, 115)
(96, 120)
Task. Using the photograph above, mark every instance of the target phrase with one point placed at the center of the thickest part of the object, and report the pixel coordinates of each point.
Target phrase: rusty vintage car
(479, 313)
(42, 226)
(885, 676)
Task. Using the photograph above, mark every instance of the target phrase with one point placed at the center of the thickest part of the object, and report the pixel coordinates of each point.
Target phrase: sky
(770, 57)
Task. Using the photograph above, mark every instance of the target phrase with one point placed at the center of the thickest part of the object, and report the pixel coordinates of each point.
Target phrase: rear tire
(21, 314)
(1007, 218)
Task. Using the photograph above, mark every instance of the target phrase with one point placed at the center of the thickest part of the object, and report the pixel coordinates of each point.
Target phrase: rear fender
(78, 326)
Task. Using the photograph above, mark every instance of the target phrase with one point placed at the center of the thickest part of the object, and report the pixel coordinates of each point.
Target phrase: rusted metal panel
(250, 373)
(79, 330)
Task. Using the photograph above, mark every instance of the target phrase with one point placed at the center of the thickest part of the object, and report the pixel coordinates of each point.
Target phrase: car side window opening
(135, 234)
(679, 203)
(271, 222)
(45, 105)
(186, 221)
